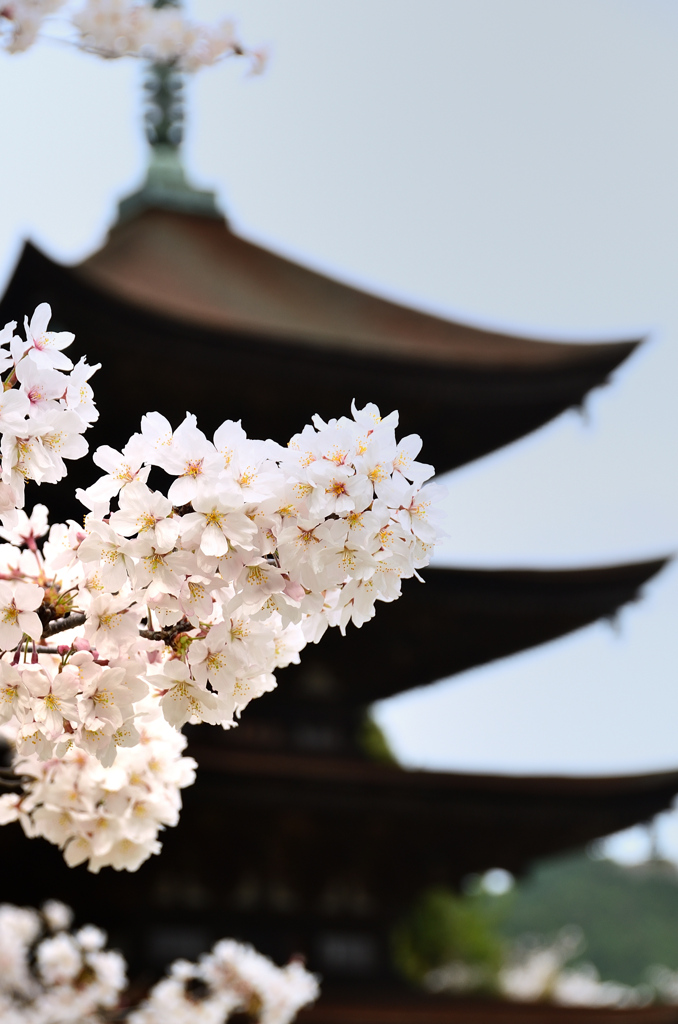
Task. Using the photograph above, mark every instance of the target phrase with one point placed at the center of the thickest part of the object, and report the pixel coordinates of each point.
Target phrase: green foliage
(629, 916)
(442, 928)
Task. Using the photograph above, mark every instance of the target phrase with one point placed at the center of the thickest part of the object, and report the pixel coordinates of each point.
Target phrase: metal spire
(166, 186)
(164, 113)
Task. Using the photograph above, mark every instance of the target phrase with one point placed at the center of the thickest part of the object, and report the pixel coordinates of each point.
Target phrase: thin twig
(74, 619)
(168, 633)
(10, 780)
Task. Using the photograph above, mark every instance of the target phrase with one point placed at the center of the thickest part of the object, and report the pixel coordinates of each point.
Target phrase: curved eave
(361, 810)
(199, 272)
(458, 619)
(301, 822)
(276, 379)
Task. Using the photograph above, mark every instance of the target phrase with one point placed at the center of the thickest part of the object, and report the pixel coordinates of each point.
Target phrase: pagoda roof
(295, 845)
(456, 620)
(398, 830)
(284, 342)
(197, 270)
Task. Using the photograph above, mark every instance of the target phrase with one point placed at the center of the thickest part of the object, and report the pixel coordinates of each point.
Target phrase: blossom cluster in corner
(124, 28)
(51, 974)
(232, 978)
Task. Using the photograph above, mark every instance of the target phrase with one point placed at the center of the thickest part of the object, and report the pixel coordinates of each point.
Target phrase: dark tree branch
(74, 619)
(67, 622)
(168, 633)
(10, 780)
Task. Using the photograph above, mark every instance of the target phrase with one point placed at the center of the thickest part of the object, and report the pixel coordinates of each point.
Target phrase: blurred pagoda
(293, 837)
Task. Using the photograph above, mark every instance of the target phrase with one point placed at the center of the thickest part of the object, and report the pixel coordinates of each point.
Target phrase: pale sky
(510, 163)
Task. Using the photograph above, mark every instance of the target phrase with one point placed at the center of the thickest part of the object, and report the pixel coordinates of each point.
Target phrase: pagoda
(292, 837)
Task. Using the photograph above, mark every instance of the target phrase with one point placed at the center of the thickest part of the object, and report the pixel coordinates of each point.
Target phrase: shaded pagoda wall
(320, 855)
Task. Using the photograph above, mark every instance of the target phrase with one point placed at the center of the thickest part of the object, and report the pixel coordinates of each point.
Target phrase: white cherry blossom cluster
(119, 28)
(123, 28)
(232, 979)
(21, 21)
(105, 816)
(173, 605)
(50, 975)
(537, 969)
(45, 407)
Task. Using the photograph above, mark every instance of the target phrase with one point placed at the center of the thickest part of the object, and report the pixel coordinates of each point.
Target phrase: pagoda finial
(164, 114)
(164, 87)
(166, 185)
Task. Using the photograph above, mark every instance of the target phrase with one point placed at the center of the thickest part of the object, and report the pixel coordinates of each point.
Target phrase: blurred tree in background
(443, 928)
(628, 916)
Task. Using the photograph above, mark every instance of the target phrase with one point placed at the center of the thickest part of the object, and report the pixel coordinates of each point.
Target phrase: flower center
(194, 469)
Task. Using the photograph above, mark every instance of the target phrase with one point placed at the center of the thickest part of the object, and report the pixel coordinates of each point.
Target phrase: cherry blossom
(176, 606)
(121, 28)
(45, 347)
(51, 974)
(18, 603)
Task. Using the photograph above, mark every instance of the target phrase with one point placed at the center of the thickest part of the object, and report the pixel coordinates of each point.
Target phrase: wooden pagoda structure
(292, 838)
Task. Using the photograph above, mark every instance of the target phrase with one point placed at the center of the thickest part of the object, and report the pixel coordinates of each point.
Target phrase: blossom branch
(168, 633)
(69, 621)
(10, 780)
(181, 605)
(126, 28)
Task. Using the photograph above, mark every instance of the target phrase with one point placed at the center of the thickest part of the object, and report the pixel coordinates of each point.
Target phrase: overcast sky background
(514, 164)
